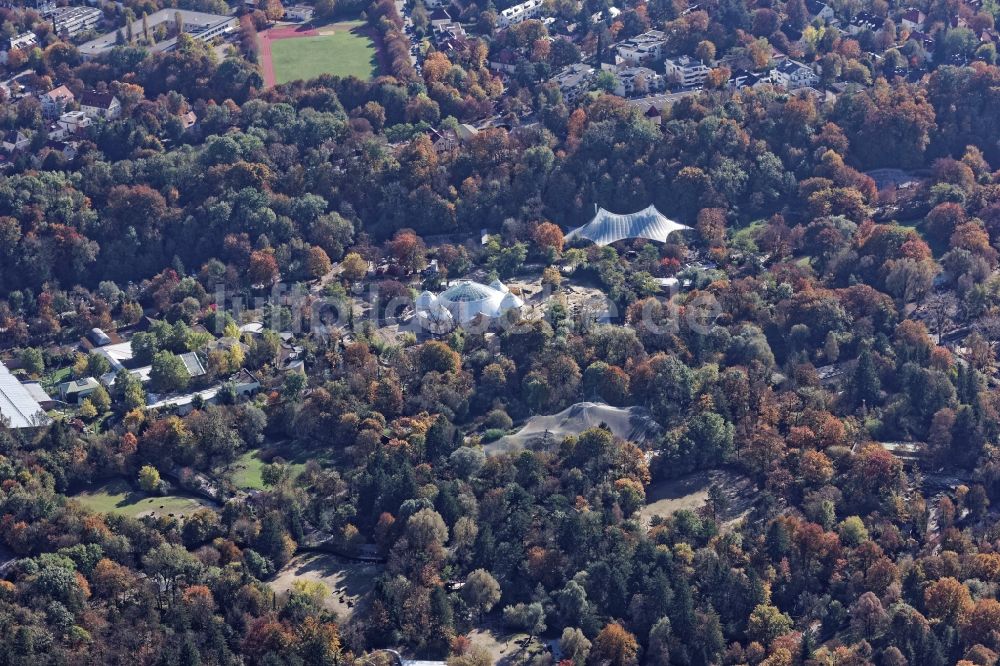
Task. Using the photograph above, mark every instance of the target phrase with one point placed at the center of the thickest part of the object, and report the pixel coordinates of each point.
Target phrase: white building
(574, 80)
(25, 40)
(67, 150)
(687, 71)
(69, 21)
(606, 227)
(742, 78)
(518, 13)
(142, 374)
(465, 303)
(198, 25)
(100, 105)
(820, 10)
(55, 101)
(118, 354)
(613, 13)
(641, 48)
(18, 408)
(73, 122)
(14, 141)
(635, 81)
(301, 13)
(791, 75)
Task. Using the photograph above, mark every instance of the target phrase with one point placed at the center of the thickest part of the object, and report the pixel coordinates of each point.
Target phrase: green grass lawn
(119, 497)
(344, 53)
(57, 377)
(246, 468)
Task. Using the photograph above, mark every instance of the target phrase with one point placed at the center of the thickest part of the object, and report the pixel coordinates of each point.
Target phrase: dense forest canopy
(836, 411)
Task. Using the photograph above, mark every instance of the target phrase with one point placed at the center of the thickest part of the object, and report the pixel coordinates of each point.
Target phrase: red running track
(266, 59)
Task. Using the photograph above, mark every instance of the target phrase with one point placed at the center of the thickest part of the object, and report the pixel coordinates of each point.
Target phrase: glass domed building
(464, 302)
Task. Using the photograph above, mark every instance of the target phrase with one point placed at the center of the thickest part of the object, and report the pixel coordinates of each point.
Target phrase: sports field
(342, 49)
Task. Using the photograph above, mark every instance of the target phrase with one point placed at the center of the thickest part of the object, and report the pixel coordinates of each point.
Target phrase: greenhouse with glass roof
(464, 302)
(606, 227)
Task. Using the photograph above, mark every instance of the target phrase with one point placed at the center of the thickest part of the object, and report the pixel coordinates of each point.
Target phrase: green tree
(852, 531)
(865, 383)
(87, 410)
(529, 618)
(294, 384)
(144, 347)
(574, 645)
(169, 564)
(128, 389)
(767, 623)
(168, 372)
(97, 365)
(149, 479)
(264, 349)
(658, 652)
(101, 399)
(605, 81)
(481, 591)
(33, 361)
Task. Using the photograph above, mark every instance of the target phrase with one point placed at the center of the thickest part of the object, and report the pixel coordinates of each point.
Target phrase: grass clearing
(246, 469)
(345, 51)
(57, 377)
(119, 497)
(747, 233)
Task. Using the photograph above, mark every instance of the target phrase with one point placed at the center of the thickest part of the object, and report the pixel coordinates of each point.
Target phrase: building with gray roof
(199, 25)
(18, 408)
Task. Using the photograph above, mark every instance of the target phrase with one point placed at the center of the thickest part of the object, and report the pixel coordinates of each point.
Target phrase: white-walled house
(15, 141)
(73, 122)
(102, 105)
(791, 75)
(641, 48)
(520, 12)
(55, 101)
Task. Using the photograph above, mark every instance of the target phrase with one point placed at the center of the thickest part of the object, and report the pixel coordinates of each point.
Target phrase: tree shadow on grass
(132, 497)
(379, 59)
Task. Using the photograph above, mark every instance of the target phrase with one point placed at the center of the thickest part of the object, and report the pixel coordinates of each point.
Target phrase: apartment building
(520, 12)
(686, 71)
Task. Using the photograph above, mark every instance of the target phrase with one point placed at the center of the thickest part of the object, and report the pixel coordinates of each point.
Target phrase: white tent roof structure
(17, 407)
(607, 227)
(631, 423)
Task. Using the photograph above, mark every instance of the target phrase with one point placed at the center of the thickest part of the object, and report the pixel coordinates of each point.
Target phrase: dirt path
(348, 582)
(691, 492)
(505, 648)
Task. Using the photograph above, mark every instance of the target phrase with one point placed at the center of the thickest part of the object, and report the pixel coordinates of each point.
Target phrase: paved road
(408, 23)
